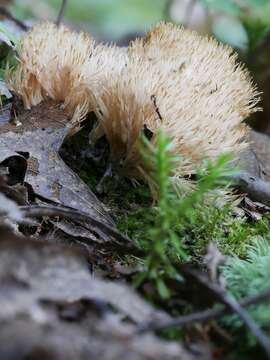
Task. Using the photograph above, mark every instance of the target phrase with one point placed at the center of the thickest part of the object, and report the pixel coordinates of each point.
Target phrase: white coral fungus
(68, 67)
(190, 86)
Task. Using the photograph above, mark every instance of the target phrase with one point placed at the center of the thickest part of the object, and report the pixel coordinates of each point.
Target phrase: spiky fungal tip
(190, 86)
(60, 64)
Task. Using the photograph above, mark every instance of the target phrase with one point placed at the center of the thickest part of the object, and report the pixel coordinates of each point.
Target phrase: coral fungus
(68, 67)
(190, 86)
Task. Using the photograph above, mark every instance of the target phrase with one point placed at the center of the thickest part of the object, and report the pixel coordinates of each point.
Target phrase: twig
(257, 189)
(154, 101)
(231, 303)
(53, 211)
(8, 15)
(61, 12)
(202, 316)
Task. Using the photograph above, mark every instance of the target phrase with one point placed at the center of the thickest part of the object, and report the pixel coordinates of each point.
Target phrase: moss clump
(244, 278)
(232, 234)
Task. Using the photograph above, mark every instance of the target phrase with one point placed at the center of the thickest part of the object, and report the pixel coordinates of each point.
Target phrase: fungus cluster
(65, 66)
(189, 86)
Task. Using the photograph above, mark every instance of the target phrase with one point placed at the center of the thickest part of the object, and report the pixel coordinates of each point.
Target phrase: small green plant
(162, 234)
(165, 246)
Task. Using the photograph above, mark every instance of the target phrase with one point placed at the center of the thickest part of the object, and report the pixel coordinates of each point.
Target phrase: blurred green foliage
(247, 19)
(241, 23)
(235, 7)
(115, 17)
(110, 19)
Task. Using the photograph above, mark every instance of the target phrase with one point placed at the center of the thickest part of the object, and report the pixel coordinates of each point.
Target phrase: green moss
(136, 222)
(181, 225)
(232, 234)
(135, 212)
(244, 278)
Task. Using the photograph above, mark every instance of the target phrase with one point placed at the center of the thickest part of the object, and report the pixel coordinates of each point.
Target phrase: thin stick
(53, 211)
(202, 316)
(256, 188)
(9, 16)
(61, 12)
(231, 303)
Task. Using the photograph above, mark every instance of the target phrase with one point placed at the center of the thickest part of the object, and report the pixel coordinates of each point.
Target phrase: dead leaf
(254, 209)
(56, 273)
(9, 209)
(35, 145)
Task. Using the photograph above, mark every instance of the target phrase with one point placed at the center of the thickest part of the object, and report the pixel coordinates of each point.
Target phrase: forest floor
(85, 271)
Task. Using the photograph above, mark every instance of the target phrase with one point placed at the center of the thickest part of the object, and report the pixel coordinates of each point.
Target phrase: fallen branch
(202, 316)
(8, 15)
(257, 189)
(61, 12)
(230, 302)
(75, 215)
